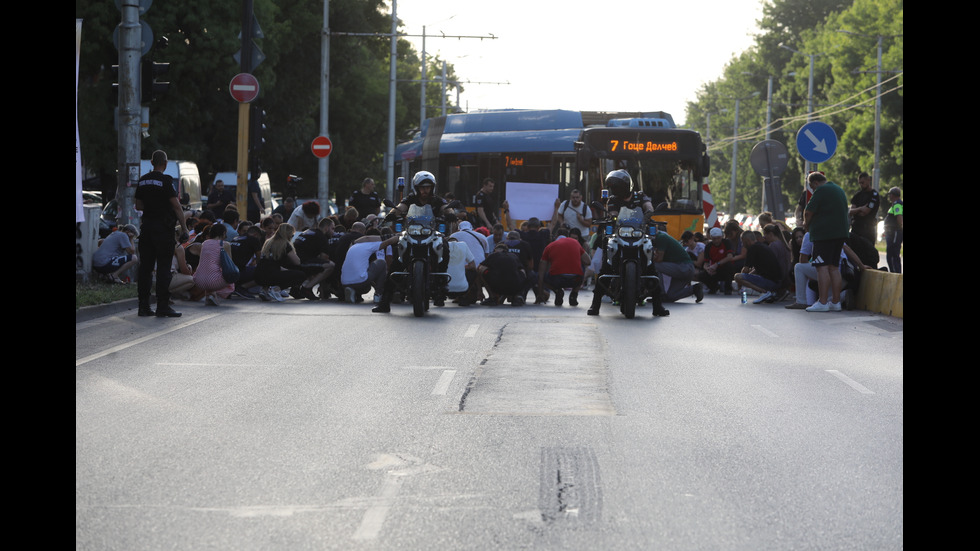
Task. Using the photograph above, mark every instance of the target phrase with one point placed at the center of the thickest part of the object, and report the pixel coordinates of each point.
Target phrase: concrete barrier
(881, 292)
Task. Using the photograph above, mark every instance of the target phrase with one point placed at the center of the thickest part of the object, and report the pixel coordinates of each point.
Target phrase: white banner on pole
(79, 209)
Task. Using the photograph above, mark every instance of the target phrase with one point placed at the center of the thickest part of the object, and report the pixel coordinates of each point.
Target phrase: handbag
(229, 272)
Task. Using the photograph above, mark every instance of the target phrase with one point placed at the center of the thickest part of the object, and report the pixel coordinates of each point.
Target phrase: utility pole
(876, 172)
(323, 165)
(128, 131)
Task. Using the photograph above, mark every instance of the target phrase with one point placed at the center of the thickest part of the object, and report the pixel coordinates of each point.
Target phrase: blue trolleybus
(564, 150)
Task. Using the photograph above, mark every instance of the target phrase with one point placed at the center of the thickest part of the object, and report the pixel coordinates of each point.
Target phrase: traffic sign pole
(241, 192)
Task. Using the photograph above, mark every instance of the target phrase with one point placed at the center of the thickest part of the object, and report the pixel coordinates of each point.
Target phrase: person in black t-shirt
(864, 209)
(157, 199)
(365, 200)
(762, 271)
(503, 276)
(486, 204)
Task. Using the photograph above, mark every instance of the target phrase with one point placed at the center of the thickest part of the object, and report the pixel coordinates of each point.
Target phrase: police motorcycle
(421, 250)
(627, 254)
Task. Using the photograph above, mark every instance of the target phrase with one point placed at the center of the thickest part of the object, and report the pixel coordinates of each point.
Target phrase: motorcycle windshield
(421, 215)
(633, 218)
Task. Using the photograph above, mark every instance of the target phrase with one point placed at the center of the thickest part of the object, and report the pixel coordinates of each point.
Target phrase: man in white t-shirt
(363, 269)
(462, 271)
(575, 213)
(476, 241)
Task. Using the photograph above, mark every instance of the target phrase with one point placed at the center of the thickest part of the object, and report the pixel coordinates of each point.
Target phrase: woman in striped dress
(208, 275)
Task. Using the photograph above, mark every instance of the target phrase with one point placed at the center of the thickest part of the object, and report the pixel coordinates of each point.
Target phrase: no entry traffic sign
(244, 87)
(321, 146)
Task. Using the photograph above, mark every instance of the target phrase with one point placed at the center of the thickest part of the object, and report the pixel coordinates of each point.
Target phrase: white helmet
(423, 178)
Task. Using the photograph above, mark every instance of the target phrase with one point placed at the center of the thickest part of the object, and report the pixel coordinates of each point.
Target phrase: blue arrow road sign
(816, 142)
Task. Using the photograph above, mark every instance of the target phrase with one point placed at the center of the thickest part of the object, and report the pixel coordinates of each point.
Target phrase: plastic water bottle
(745, 296)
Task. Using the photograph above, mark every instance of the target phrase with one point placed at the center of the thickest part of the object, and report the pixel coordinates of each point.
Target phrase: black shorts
(827, 252)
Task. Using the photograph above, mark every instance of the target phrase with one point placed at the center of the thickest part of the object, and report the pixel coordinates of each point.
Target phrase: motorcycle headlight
(415, 230)
(630, 232)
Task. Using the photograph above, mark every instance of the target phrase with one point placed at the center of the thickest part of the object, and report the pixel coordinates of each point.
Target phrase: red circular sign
(244, 87)
(322, 146)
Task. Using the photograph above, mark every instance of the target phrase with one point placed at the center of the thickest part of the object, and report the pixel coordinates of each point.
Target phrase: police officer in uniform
(365, 200)
(864, 209)
(424, 193)
(156, 197)
(621, 195)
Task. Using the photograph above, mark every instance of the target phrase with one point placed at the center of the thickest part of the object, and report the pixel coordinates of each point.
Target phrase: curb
(88, 313)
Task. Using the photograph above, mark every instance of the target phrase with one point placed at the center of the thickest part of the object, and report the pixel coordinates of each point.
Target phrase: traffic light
(150, 89)
(258, 128)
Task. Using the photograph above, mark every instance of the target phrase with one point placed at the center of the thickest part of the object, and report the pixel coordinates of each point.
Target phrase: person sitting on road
(463, 281)
(716, 264)
(762, 271)
(305, 216)
(503, 276)
(208, 275)
(278, 266)
(561, 267)
(117, 253)
(363, 269)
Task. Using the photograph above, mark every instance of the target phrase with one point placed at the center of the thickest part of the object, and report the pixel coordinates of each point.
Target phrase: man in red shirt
(561, 267)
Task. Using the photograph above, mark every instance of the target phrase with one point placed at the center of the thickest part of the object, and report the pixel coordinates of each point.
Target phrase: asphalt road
(323, 426)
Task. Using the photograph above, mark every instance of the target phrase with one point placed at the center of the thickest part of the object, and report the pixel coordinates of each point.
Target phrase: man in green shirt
(826, 218)
(672, 260)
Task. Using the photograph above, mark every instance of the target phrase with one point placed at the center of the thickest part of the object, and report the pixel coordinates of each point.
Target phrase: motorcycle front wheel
(420, 298)
(629, 286)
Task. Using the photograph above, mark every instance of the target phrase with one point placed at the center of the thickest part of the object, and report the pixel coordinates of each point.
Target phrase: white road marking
(765, 331)
(442, 386)
(471, 332)
(850, 382)
(374, 517)
(140, 340)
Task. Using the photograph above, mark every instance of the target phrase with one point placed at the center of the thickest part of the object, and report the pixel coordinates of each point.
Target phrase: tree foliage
(844, 92)
(198, 119)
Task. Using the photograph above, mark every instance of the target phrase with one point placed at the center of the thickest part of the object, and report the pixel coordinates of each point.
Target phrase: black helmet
(423, 178)
(619, 183)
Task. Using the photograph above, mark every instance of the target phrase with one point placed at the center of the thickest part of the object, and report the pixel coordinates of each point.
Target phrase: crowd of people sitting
(303, 255)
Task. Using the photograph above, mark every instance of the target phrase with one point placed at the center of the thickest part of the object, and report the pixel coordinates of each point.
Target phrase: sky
(601, 55)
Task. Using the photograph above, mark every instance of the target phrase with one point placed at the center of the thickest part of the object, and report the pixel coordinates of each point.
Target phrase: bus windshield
(667, 165)
(671, 185)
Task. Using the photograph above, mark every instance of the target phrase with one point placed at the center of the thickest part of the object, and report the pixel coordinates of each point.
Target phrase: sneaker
(819, 307)
(763, 297)
(381, 308)
(698, 291)
(573, 298)
(277, 294)
(559, 297)
(266, 295)
(349, 295)
(783, 295)
(834, 306)
(796, 306)
(661, 312)
(517, 301)
(211, 300)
